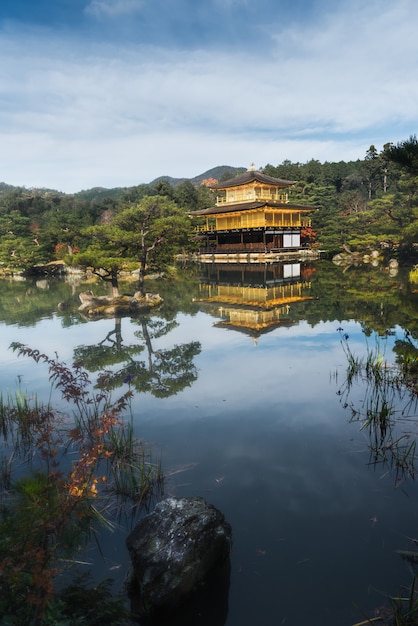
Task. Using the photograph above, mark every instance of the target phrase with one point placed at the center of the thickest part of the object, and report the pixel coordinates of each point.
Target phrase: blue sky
(117, 92)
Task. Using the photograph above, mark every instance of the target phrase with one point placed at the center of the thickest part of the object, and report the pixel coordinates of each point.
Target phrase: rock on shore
(104, 306)
(174, 550)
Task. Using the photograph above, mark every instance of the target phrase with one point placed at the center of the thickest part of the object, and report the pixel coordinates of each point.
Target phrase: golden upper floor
(252, 186)
(259, 217)
(253, 200)
(251, 193)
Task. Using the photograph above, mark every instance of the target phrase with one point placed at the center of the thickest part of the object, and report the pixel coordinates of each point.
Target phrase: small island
(118, 306)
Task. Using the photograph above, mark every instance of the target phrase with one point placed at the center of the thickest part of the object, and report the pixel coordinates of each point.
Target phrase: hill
(101, 192)
(219, 172)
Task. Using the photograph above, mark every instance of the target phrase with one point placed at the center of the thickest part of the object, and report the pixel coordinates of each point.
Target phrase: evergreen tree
(151, 232)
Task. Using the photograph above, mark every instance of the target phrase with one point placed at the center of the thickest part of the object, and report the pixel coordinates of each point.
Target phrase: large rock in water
(174, 550)
(104, 306)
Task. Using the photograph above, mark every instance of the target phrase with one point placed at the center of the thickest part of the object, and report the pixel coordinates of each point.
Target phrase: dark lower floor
(260, 240)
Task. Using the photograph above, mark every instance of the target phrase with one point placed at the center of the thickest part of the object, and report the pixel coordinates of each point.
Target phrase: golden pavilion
(252, 215)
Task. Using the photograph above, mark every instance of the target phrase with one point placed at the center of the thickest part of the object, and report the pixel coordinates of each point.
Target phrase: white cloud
(113, 8)
(76, 116)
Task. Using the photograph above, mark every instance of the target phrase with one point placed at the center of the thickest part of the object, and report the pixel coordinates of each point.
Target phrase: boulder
(105, 306)
(393, 266)
(174, 552)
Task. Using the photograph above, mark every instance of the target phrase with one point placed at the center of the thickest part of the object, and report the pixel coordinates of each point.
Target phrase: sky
(115, 93)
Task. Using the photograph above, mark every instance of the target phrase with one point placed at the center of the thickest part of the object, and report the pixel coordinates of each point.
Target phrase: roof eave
(253, 176)
(251, 206)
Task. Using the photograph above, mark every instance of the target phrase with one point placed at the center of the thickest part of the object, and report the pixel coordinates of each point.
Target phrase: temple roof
(250, 176)
(248, 206)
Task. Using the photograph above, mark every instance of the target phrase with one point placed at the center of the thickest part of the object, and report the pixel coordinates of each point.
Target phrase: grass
(389, 408)
(413, 275)
(388, 413)
(61, 477)
(405, 607)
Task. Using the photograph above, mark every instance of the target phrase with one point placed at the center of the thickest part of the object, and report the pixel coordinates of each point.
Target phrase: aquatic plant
(388, 413)
(404, 607)
(62, 474)
(413, 274)
(389, 407)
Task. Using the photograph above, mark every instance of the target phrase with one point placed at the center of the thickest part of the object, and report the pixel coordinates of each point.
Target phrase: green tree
(106, 255)
(405, 154)
(286, 170)
(312, 171)
(405, 211)
(20, 247)
(372, 171)
(162, 187)
(186, 196)
(352, 202)
(205, 197)
(152, 232)
(387, 167)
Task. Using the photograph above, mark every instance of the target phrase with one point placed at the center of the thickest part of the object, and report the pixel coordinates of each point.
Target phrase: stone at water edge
(173, 551)
(98, 306)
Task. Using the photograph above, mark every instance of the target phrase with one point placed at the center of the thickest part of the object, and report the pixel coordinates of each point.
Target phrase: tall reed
(388, 413)
(61, 475)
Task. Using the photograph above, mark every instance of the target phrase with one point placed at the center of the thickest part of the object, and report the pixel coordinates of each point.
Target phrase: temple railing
(237, 197)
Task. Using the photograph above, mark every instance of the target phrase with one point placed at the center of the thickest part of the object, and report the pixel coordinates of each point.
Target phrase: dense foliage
(364, 204)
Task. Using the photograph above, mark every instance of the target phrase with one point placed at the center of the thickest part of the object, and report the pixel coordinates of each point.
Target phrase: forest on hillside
(371, 203)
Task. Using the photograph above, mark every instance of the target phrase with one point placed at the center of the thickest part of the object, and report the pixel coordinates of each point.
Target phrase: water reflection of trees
(388, 408)
(25, 302)
(369, 295)
(163, 372)
(366, 294)
(387, 411)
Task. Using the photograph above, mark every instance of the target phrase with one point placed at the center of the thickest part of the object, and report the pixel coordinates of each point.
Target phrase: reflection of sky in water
(266, 439)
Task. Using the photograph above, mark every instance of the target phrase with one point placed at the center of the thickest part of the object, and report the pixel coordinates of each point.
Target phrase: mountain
(101, 192)
(218, 172)
(221, 172)
(5, 187)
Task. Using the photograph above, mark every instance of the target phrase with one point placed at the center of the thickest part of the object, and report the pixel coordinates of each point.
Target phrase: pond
(237, 384)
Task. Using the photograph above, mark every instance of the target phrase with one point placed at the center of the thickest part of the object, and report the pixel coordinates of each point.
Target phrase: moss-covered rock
(104, 306)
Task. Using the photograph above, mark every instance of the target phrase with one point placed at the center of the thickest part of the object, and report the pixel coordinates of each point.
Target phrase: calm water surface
(258, 429)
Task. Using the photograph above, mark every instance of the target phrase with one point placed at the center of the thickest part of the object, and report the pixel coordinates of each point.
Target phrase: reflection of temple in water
(254, 299)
